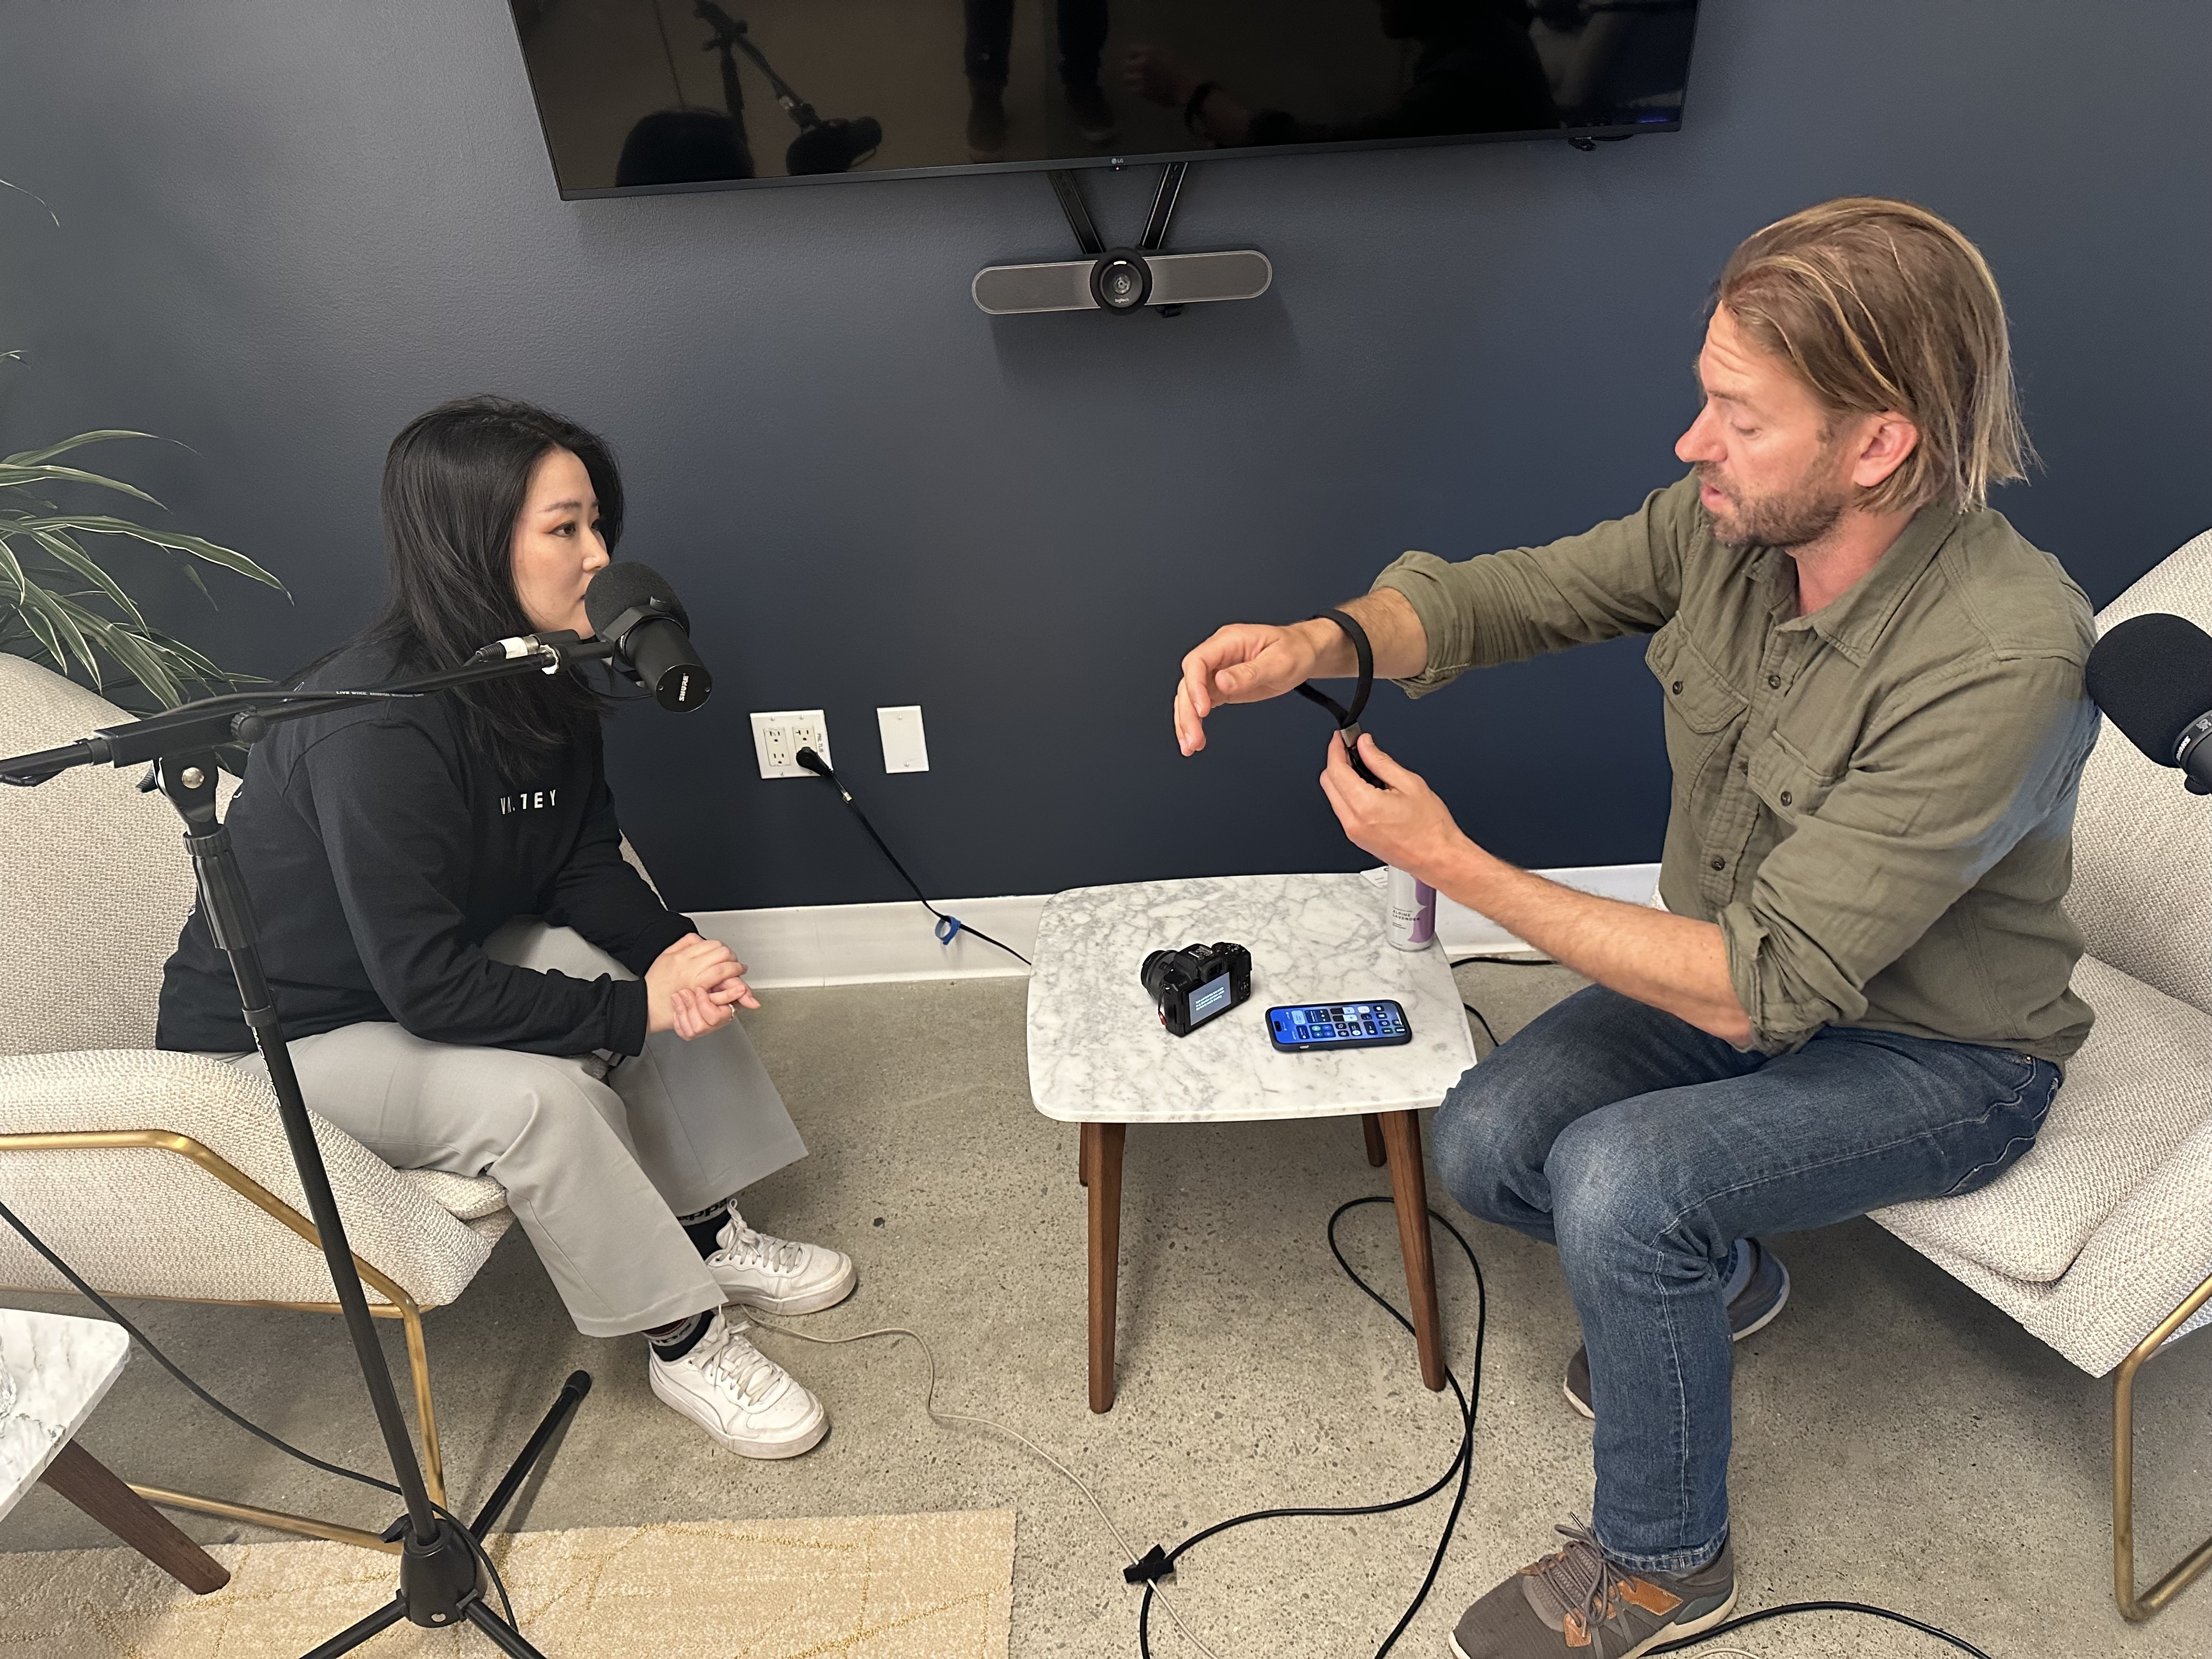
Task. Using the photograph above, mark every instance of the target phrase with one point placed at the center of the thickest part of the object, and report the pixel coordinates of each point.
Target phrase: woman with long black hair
(471, 975)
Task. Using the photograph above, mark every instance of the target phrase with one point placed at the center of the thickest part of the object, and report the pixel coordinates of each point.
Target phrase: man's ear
(1884, 441)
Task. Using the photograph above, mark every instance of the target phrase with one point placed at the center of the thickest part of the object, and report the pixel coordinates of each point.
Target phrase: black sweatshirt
(380, 850)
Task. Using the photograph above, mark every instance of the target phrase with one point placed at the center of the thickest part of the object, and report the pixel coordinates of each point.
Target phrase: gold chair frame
(2133, 1607)
(397, 1304)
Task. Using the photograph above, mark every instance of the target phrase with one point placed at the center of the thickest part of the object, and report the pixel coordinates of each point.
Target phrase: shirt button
(1785, 797)
(1720, 864)
(1774, 682)
(1676, 687)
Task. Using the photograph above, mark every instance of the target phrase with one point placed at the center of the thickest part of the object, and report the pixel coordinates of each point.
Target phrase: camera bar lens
(1121, 281)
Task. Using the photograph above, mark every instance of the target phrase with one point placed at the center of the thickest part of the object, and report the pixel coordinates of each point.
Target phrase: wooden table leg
(1371, 1130)
(82, 1479)
(1102, 1145)
(1409, 1192)
(1082, 1155)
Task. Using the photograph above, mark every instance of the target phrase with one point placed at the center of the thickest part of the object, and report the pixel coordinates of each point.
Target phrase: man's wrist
(1328, 646)
(1463, 871)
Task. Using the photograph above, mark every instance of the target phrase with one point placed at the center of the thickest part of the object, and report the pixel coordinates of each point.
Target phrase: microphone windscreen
(623, 585)
(2152, 676)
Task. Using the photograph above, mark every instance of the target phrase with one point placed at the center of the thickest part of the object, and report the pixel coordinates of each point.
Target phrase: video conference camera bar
(1122, 280)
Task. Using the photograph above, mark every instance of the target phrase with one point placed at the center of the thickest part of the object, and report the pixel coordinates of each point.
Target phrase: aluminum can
(1410, 921)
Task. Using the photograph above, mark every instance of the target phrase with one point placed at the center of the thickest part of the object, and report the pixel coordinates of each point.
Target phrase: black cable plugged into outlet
(948, 927)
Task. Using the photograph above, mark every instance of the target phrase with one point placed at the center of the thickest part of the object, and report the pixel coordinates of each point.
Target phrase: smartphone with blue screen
(1323, 1025)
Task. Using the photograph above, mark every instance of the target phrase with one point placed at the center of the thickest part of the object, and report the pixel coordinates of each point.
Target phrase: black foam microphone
(637, 612)
(2152, 676)
(837, 145)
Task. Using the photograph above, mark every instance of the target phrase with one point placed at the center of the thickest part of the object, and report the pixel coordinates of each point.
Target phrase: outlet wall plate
(906, 748)
(778, 737)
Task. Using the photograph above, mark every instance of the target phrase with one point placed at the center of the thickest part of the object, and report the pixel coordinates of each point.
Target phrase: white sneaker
(741, 1397)
(776, 1275)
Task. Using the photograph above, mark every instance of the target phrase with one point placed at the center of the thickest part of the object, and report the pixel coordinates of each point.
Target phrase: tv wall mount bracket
(1122, 280)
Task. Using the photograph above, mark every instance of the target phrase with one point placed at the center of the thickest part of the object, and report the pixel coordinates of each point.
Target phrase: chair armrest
(149, 1221)
(2148, 1254)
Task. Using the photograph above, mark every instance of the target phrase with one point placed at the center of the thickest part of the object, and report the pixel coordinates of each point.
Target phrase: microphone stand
(439, 1585)
(729, 34)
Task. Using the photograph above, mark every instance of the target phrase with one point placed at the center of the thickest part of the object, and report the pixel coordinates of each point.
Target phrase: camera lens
(1150, 972)
(1121, 281)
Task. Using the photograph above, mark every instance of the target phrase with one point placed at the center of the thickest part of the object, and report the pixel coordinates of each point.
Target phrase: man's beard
(1803, 513)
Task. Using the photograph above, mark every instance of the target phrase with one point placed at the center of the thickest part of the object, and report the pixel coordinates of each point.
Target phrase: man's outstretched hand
(1245, 662)
(1251, 662)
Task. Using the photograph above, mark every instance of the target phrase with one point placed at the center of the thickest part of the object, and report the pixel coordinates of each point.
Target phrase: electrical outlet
(778, 738)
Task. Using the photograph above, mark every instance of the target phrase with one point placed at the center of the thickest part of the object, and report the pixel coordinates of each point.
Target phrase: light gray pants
(598, 1161)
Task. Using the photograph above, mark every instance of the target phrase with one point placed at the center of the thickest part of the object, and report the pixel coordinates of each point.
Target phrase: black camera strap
(1347, 719)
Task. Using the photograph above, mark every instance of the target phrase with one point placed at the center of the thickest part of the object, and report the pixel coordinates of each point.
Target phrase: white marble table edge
(18, 1477)
(1371, 1108)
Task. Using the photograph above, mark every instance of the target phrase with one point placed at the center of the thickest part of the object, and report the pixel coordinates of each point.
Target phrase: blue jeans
(1644, 1148)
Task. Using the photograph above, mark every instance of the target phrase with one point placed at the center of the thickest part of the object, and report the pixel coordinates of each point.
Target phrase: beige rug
(860, 1587)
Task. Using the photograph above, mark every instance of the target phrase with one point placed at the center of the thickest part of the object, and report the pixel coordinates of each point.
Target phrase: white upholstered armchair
(95, 1122)
(2099, 1240)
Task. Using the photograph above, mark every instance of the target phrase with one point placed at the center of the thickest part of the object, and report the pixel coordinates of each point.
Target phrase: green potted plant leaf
(59, 607)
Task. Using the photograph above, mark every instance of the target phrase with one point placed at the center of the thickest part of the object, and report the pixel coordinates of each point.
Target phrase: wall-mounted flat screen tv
(673, 95)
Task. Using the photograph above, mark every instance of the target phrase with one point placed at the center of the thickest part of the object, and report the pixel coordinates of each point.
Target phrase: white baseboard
(867, 943)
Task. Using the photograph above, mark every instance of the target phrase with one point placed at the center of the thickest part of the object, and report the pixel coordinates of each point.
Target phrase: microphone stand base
(438, 1582)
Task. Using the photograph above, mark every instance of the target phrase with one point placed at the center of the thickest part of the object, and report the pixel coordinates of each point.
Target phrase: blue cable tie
(947, 928)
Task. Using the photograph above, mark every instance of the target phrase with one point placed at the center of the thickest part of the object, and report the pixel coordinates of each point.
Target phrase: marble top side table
(62, 1368)
(1099, 1057)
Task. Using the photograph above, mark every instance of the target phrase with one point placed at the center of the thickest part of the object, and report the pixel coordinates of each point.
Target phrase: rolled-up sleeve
(1946, 784)
(1624, 576)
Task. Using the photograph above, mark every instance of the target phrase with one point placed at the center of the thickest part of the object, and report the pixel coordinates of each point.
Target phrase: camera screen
(1210, 1000)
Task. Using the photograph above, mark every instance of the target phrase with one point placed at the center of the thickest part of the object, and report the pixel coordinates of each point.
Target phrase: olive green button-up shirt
(1874, 801)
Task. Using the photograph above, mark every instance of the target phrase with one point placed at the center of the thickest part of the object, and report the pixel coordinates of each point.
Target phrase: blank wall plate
(777, 738)
(905, 747)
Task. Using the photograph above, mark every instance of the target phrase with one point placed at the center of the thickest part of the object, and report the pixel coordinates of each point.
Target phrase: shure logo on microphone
(531, 801)
(683, 688)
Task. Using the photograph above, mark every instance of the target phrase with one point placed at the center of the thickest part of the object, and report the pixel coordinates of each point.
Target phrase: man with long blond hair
(1858, 992)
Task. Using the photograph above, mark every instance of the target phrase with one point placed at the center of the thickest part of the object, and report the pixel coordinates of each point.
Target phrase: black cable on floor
(1160, 1563)
(1485, 1023)
(244, 1422)
(1766, 1613)
(1533, 962)
(948, 927)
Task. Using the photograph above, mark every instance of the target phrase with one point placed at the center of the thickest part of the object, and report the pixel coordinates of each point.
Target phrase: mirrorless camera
(1191, 986)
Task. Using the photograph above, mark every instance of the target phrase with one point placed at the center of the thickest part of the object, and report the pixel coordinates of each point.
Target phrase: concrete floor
(1898, 1441)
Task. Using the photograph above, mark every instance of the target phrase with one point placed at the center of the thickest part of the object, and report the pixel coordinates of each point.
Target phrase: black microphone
(637, 612)
(2152, 676)
(833, 146)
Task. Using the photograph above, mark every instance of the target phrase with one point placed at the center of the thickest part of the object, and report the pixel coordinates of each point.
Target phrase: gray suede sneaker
(1578, 1605)
(1753, 1306)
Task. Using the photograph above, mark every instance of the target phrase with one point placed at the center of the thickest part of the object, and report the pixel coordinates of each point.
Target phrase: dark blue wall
(289, 225)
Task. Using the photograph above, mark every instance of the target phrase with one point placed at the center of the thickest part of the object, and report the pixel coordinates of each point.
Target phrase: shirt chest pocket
(1704, 713)
(1699, 704)
(1698, 698)
(1789, 786)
